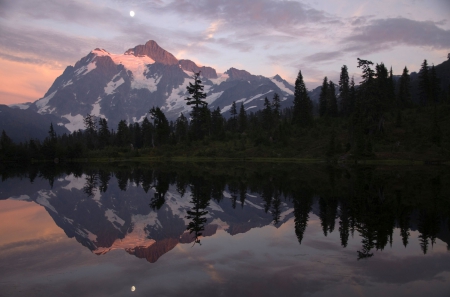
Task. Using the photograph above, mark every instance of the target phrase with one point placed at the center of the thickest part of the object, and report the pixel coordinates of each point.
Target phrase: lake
(224, 229)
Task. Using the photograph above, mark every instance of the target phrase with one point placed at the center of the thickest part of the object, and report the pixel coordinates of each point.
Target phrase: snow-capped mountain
(125, 86)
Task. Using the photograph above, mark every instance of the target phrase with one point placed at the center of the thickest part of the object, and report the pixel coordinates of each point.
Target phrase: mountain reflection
(147, 210)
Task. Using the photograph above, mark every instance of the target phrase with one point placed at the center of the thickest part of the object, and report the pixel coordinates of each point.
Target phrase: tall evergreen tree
(242, 119)
(344, 92)
(267, 114)
(233, 119)
(161, 126)
(332, 106)
(404, 90)
(323, 98)
(302, 111)
(181, 128)
(123, 136)
(276, 105)
(435, 89)
(196, 100)
(217, 124)
(103, 133)
(424, 84)
(147, 133)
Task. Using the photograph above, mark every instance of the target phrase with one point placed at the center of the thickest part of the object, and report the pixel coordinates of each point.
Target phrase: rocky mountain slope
(126, 86)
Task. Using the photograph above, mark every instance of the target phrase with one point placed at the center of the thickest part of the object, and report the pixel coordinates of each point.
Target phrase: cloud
(323, 56)
(382, 34)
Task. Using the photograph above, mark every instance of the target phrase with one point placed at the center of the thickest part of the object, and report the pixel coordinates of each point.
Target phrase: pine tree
(344, 91)
(323, 98)
(181, 128)
(161, 126)
(233, 120)
(332, 107)
(197, 102)
(404, 90)
(123, 134)
(276, 104)
(424, 84)
(267, 114)
(242, 119)
(435, 89)
(147, 133)
(103, 133)
(217, 124)
(302, 113)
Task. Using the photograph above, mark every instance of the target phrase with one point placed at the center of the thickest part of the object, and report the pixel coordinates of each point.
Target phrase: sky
(39, 39)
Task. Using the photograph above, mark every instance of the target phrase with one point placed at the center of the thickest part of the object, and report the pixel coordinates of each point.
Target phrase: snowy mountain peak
(277, 78)
(154, 51)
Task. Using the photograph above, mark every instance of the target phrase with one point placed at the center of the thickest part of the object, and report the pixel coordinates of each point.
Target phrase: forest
(383, 117)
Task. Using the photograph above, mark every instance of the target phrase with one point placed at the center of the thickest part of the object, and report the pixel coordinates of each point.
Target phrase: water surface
(224, 230)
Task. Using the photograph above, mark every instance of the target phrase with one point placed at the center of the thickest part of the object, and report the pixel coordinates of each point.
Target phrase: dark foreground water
(224, 230)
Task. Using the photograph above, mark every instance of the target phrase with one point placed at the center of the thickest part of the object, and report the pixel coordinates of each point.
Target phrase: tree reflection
(197, 214)
(161, 187)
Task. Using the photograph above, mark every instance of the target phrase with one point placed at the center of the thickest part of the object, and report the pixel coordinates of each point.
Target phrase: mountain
(24, 124)
(125, 86)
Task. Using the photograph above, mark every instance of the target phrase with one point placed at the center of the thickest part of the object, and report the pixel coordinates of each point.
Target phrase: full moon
(133, 288)
(132, 13)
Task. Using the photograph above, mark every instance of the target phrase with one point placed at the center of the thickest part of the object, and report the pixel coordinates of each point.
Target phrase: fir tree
(404, 90)
(161, 126)
(332, 108)
(302, 111)
(276, 104)
(147, 133)
(217, 124)
(323, 98)
(103, 133)
(424, 84)
(267, 114)
(233, 120)
(344, 92)
(181, 128)
(198, 104)
(434, 86)
(242, 119)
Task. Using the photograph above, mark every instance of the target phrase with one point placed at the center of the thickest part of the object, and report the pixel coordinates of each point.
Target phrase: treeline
(362, 108)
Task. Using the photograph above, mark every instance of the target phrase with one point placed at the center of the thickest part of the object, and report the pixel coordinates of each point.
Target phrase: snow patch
(75, 182)
(76, 122)
(113, 85)
(43, 198)
(19, 106)
(20, 198)
(42, 103)
(221, 77)
(113, 218)
(85, 69)
(282, 87)
(96, 107)
(253, 106)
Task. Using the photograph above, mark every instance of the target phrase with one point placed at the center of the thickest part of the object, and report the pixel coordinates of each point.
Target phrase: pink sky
(266, 37)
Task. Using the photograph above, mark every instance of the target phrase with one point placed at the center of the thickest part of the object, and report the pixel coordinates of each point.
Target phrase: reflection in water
(186, 203)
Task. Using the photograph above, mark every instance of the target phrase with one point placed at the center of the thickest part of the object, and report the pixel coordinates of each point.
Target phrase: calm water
(224, 230)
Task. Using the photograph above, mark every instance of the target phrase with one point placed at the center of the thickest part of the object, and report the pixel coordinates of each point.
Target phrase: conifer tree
(198, 104)
(147, 133)
(233, 120)
(242, 119)
(323, 98)
(344, 91)
(267, 114)
(161, 126)
(434, 86)
(302, 111)
(404, 90)
(424, 84)
(181, 128)
(332, 107)
(276, 104)
(103, 133)
(217, 124)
